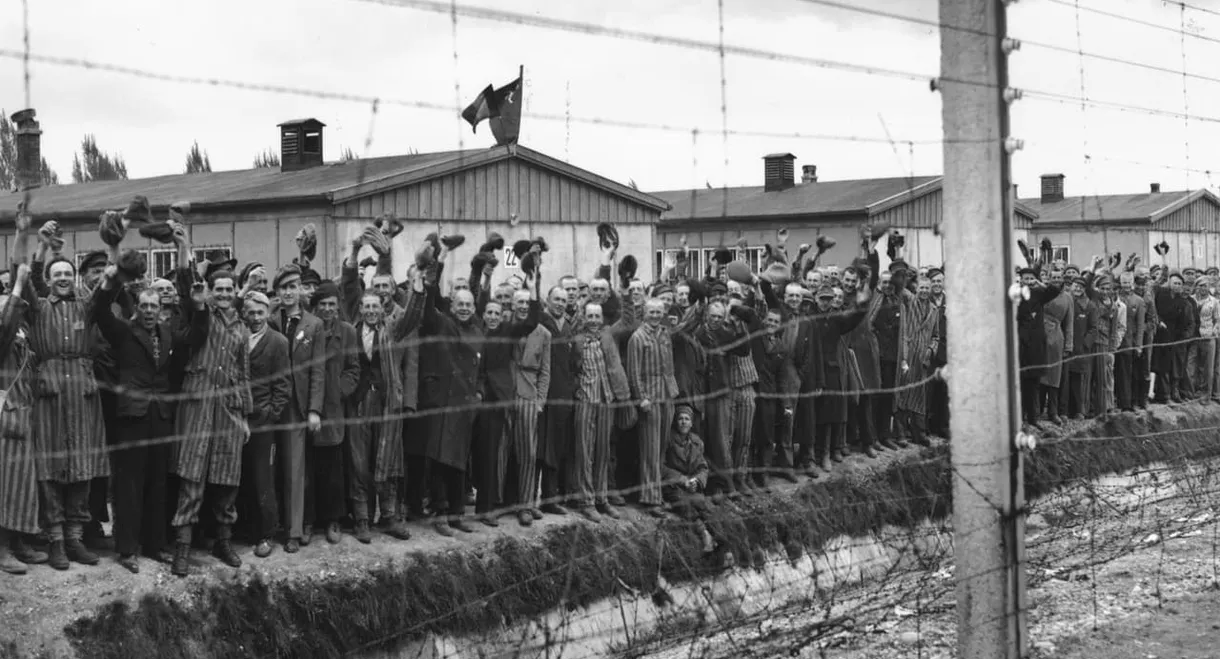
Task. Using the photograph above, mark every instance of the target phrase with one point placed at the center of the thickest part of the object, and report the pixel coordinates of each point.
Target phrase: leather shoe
(553, 509)
(525, 518)
(616, 500)
(442, 529)
(77, 553)
(292, 546)
(332, 533)
(160, 556)
(607, 510)
(590, 513)
(263, 548)
(398, 530)
(130, 562)
(836, 455)
(461, 525)
(870, 452)
(306, 535)
(27, 554)
(885, 443)
(488, 520)
(535, 513)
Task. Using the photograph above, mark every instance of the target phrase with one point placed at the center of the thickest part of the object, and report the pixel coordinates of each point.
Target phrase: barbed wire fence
(826, 568)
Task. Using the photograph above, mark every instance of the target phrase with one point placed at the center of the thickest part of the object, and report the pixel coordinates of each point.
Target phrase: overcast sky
(408, 54)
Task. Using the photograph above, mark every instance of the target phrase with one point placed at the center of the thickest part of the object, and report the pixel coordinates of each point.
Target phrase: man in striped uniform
(650, 372)
(532, 378)
(69, 437)
(212, 421)
(600, 382)
(743, 378)
(18, 485)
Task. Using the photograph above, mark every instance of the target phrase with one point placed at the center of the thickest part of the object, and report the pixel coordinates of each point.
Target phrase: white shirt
(255, 338)
(368, 335)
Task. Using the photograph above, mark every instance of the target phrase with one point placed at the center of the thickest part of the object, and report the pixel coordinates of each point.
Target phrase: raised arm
(101, 312)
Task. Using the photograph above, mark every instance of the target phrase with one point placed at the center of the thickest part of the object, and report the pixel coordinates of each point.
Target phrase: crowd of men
(272, 405)
(1114, 336)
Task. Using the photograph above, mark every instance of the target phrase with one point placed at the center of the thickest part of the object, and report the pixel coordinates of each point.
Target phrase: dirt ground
(36, 607)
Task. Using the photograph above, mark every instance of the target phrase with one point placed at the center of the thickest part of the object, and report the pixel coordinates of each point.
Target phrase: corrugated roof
(243, 186)
(1106, 208)
(823, 197)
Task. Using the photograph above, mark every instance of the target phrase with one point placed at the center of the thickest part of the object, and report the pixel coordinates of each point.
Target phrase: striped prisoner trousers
(521, 449)
(654, 430)
(591, 458)
(742, 403)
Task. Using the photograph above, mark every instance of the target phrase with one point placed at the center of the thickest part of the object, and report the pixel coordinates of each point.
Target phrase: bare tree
(197, 161)
(93, 164)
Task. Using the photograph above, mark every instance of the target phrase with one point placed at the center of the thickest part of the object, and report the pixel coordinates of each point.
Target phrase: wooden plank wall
(498, 191)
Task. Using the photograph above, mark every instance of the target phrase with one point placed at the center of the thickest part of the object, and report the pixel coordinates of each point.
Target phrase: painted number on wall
(510, 259)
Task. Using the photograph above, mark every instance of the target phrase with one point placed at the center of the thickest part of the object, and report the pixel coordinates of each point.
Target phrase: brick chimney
(778, 171)
(809, 174)
(1052, 188)
(1154, 188)
(300, 144)
(29, 150)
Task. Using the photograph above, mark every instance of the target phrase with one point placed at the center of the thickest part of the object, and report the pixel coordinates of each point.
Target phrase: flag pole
(521, 77)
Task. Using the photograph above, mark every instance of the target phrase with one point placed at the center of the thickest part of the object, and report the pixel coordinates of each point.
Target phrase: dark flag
(502, 107)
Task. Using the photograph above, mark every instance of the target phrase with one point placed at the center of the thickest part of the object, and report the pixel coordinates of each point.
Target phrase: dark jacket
(269, 386)
(140, 378)
(341, 374)
(308, 357)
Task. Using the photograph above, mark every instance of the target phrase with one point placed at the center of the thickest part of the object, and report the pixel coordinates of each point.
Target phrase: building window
(205, 254)
(1061, 253)
(161, 262)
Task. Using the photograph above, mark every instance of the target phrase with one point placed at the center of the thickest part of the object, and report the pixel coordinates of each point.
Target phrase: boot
(306, 535)
(398, 530)
(461, 525)
(58, 557)
(78, 553)
(442, 528)
(25, 553)
(488, 520)
(223, 549)
(182, 555)
(362, 531)
(332, 533)
(608, 510)
(553, 509)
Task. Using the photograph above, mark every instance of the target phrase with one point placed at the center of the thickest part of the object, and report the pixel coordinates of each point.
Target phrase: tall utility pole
(987, 483)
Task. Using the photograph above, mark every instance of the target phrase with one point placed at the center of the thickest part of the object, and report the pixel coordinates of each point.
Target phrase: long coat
(389, 425)
(1084, 334)
(18, 482)
(558, 433)
(1057, 317)
(69, 437)
(448, 381)
(211, 422)
(920, 329)
(1031, 331)
(342, 373)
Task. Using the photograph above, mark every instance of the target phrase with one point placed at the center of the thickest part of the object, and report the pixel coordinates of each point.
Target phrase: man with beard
(532, 377)
(342, 372)
(650, 373)
(269, 392)
(556, 448)
(303, 415)
(213, 420)
(142, 350)
(600, 382)
(69, 436)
